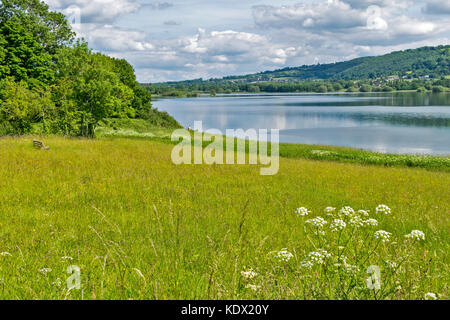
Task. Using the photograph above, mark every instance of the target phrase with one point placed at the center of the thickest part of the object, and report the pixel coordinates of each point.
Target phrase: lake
(412, 123)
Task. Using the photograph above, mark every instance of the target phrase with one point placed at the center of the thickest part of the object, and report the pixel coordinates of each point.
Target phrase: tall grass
(140, 227)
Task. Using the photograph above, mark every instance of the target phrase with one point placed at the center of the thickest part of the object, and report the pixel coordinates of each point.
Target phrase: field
(139, 227)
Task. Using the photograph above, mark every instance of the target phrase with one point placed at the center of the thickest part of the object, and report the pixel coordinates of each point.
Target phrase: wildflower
(66, 258)
(284, 255)
(45, 270)
(302, 211)
(356, 221)
(4, 254)
(351, 269)
(253, 287)
(382, 208)
(315, 258)
(337, 225)
(318, 222)
(416, 235)
(391, 264)
(347, 211)
(57, 282)
(364, 213)
(382, 235)
(248, 274)
(430, 296)
(329, 210)
(371, 222)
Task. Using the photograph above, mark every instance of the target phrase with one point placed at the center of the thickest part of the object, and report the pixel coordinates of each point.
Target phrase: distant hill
(433, 62)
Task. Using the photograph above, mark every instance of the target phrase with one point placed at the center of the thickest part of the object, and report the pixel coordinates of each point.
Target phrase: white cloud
(333, 14)
(112, 39)
(238, 37)
(99, 11)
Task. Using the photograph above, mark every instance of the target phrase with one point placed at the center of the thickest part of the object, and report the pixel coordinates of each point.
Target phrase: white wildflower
(317, 222)
(337, 225)
(430, 296)
(4, 254)
(284, 255)
(253, 287)
(391, 264)
(250, 274)
(356, 221)
(416, 235)
(382, 235)
(45, 270)
(302, 211)
(347, 211)
(371, 222)
(382, 208)
(315, 258)
(351, 269)
(329, 210)
(364, 213)
(57, 282)
(67, 258)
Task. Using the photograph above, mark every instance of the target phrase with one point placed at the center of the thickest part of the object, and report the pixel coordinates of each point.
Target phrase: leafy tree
(22, 57)
(21, 106)
(93, 86)
(49, 29)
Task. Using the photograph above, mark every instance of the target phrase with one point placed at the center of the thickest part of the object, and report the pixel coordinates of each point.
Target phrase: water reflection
(392, 122)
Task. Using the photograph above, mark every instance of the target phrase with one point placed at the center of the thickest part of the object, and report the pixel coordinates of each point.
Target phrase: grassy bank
(140, 227)
(141, 129)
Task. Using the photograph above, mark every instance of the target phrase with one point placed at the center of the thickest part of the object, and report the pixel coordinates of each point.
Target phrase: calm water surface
(392, 122)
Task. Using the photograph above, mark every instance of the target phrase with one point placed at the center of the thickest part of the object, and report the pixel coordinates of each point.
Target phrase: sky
(169, 40)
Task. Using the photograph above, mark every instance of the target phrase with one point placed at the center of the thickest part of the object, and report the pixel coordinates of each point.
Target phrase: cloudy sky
(185, 39)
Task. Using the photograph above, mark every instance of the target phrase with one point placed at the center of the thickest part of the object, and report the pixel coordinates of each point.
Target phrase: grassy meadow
(140, 227)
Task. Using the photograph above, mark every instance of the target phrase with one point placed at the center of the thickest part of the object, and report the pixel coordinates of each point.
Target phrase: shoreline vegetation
(170, 92)
(139, 129)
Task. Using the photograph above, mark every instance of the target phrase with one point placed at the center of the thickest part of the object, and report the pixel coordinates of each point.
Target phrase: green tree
(50, 29)
(21, 106)
(22, 57)
(93, 86)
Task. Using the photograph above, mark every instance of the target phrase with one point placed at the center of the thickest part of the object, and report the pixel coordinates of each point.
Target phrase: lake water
(387, 122)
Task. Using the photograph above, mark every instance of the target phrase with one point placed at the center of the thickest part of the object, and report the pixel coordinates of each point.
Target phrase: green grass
(141, 129)
(140, 227)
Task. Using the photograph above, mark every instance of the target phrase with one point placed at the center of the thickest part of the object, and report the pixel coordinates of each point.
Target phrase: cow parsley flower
(46, 270)
(329, 210)
(317, 222)
(66, 258)
(416, 235)
(370, 222)
(351, 269)
(356, 221)
(382, 235)
(337, 225)
(302, 211)
(347, 211)
(384, 209)
(430, 296)
(253, 287)
(4, 254)
(391, 264)
(364, 213)
(250, 274)
(315, 258)
(284, 255)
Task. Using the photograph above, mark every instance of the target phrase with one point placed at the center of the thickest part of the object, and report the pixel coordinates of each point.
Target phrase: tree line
(195, 87)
